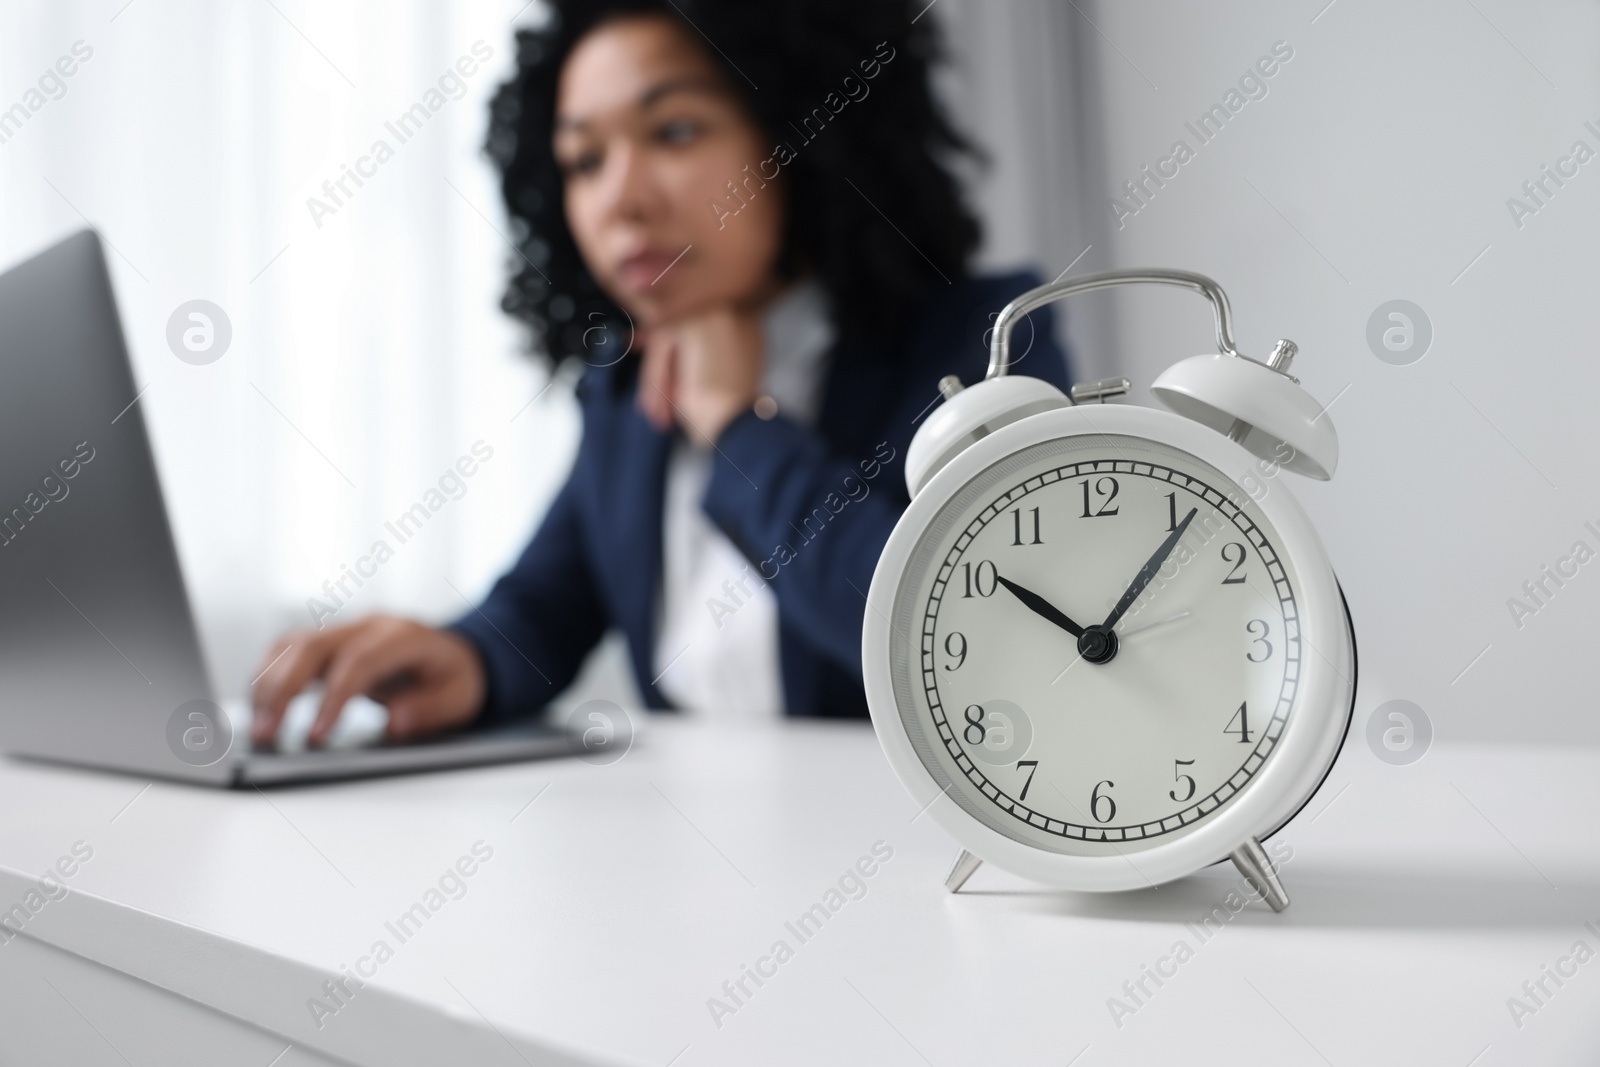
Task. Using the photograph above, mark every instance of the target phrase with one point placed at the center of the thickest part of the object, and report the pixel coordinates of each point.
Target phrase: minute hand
(1147, 572)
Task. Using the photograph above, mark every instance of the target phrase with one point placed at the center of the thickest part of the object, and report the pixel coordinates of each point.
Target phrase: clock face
(1100, 644)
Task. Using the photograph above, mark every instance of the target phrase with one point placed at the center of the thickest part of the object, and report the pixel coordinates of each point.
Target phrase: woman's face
(648, 134)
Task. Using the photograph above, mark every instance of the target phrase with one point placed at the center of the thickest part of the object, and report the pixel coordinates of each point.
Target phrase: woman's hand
(700, 372)
(429, 679)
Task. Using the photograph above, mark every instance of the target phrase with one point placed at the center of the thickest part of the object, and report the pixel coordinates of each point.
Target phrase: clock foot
(1252, 861)
(965, 864)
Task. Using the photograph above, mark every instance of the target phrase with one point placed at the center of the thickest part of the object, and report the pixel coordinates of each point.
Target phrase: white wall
(1379, 167)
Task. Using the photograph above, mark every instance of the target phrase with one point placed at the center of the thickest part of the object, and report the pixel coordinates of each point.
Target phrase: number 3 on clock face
(1105, 644)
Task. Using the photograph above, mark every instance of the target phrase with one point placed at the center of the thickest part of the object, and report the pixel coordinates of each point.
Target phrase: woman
(739, 216)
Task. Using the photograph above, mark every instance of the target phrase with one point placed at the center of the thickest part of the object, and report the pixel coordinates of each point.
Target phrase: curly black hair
(875, 212)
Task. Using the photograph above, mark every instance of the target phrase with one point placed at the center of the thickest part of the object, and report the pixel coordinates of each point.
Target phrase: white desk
(621, 900)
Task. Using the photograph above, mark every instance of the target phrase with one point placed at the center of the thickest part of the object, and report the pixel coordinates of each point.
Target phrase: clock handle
(1000, 344)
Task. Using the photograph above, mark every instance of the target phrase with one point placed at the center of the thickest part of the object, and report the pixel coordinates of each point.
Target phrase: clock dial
(1102, 644)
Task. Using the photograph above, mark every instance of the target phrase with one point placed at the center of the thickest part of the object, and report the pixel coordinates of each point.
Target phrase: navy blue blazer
(810, 508)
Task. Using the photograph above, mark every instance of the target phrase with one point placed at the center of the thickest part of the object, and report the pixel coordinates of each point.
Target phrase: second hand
(1136, 630)
(1151, 626)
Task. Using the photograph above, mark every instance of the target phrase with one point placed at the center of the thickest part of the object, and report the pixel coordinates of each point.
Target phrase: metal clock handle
(1000, 345)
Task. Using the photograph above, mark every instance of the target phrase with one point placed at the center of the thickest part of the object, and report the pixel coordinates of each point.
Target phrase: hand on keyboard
(429, 679)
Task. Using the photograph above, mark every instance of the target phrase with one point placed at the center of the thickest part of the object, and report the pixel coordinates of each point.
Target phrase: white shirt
(716, 652)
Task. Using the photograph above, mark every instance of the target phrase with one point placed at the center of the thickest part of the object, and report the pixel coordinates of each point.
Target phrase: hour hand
(1039, 605)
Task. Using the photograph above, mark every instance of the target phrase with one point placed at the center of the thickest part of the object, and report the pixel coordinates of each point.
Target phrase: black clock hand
(1039, 605)
(1147, 572)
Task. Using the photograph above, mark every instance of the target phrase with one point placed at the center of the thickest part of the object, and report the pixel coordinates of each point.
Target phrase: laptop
(100, 661)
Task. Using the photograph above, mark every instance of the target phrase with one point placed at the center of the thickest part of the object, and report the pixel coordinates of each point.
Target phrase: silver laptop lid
(98, 650)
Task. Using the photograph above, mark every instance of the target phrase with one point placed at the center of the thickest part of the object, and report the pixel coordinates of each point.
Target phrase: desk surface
(619, 899)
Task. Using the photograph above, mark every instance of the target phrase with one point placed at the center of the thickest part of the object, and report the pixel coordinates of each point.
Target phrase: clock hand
(1102, 648)
(1147, 572)
(1152, 625)
(1039, 605)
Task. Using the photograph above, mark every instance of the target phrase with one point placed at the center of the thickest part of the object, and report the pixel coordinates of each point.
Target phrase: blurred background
(1377, 162)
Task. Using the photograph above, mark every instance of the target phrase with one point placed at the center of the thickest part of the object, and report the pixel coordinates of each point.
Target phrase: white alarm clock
(1104, 645)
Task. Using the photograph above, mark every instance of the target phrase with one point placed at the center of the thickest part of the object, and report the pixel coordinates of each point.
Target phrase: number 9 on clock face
(1101, 642)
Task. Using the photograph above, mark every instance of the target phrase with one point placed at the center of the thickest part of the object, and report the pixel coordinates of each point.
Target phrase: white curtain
(368, 351)
(1023, 84)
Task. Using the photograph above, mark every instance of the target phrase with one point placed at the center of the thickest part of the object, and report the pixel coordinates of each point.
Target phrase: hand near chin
(701, 371)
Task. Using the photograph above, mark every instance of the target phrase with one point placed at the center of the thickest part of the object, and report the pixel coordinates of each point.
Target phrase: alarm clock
(1104, 646)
